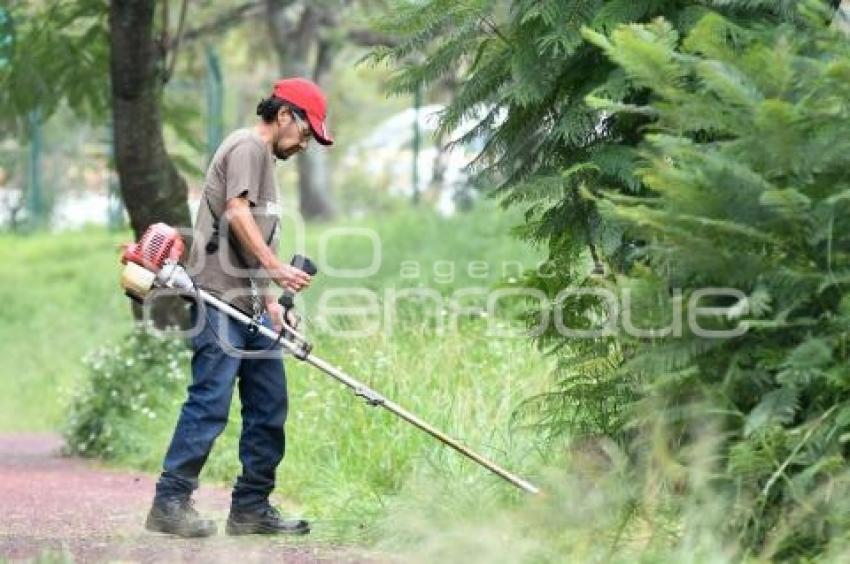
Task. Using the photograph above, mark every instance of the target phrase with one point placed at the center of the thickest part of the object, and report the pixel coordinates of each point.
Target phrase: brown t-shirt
(243, 165)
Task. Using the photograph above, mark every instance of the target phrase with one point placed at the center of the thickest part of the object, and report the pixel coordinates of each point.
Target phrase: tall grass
(59, 297)
(345, 459)
(359, 473)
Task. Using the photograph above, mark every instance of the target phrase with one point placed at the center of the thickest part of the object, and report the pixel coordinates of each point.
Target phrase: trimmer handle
(301, 263)
(305, 264)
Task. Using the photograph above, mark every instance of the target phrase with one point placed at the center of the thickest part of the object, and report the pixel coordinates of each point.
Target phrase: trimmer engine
(159, 246)
(159, 243)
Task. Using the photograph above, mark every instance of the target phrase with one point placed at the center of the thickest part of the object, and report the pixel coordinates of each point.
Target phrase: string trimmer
(153, 262)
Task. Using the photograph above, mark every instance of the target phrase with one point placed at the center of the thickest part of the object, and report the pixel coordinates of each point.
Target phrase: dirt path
(51, 504)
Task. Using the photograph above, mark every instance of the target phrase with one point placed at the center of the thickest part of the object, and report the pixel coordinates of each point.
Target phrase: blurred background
(58, 162)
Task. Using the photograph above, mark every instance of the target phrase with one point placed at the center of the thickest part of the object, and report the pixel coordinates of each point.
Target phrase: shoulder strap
(238, 254)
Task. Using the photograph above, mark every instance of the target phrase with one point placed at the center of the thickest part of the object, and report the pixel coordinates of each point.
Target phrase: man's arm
(240, 220)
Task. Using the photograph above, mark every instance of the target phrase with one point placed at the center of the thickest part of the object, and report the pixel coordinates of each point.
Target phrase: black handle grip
(301, 263)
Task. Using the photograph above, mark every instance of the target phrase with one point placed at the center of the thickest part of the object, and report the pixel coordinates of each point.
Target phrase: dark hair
(268, 109)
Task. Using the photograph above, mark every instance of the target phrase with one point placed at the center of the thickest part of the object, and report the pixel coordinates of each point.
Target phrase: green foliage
(746, 164)
(137, 378)
(704, 149)
(59, 302)
(60, 53)
(528, 74)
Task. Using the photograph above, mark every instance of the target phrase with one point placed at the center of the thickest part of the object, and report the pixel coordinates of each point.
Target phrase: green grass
(358, 472)
(60, 297)
(344, 458)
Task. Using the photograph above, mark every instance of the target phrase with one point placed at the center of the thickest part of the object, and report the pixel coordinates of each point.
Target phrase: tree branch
(254, 9)
(163, 34)
(223, 23)
(492, 26)
(175, 44)
(369, 38)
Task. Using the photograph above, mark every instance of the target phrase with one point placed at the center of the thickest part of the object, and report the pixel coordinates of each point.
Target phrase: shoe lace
(271, 511)
(188, 505)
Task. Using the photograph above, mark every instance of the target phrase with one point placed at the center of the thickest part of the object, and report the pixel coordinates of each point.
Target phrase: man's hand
(292, 318)
(288, 277)
(275, 311)
(276, 314)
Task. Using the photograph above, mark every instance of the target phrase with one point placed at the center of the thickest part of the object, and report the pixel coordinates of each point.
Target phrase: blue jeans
(262, 391)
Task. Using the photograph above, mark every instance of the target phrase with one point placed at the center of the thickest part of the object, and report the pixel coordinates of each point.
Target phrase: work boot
(264, 521)
(177, 516)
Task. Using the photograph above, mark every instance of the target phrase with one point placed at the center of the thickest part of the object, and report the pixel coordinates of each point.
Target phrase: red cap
(310, 98)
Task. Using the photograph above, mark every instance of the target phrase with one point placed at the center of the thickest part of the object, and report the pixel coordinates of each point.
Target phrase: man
(233, 257)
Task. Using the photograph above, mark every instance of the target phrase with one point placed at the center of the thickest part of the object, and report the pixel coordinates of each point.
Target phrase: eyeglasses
(303, 126)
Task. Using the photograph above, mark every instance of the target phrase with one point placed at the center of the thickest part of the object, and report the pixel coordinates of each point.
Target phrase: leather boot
(177, 516)
(265, 521)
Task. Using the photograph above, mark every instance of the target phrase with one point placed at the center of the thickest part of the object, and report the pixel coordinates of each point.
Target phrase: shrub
(526, 74)
(140, 378)
(749, 177)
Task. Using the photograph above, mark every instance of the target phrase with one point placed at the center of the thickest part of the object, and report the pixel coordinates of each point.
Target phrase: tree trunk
(151, 187)
(294, 30)
(314, 171)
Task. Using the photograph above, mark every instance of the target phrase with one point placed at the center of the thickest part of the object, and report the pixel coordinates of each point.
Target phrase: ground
(58, 506)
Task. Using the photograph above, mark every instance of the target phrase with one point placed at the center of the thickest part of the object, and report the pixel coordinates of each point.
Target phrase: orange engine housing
(159, 243)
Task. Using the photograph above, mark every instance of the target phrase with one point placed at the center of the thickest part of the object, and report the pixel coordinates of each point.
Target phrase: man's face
(293, 134)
